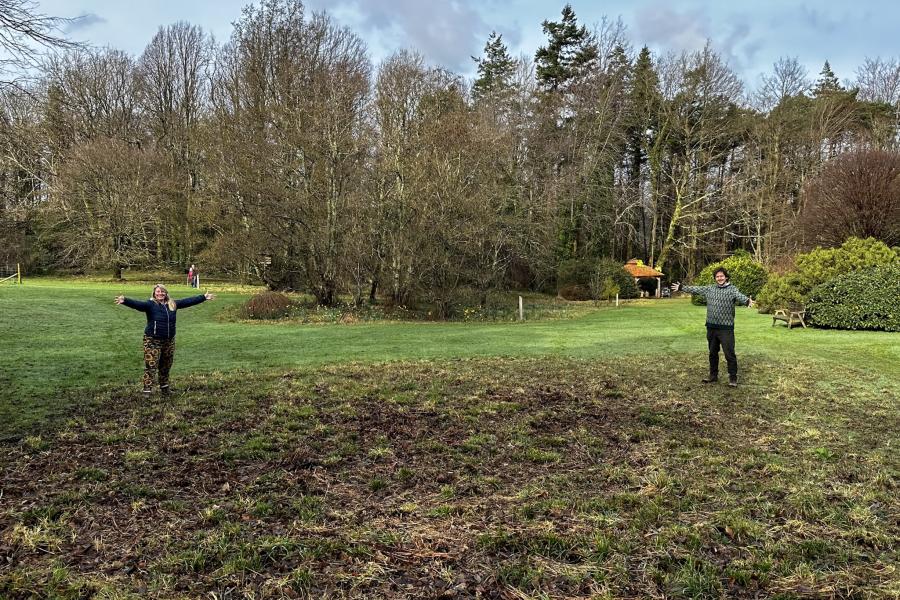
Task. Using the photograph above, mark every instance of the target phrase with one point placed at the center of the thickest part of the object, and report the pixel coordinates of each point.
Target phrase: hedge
(822, 265)
(584, 279)
(607, 268)
(864, 299)
(745, 274)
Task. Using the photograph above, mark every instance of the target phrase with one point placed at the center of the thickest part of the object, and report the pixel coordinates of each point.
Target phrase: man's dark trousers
(725, 339)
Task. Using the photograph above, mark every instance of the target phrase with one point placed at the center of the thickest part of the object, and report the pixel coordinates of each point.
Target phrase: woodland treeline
(285, 155)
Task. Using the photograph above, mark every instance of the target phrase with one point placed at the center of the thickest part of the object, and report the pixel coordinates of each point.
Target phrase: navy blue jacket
(160, 319)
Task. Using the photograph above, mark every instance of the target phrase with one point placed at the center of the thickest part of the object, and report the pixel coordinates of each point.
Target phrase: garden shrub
(583, 279)
(267, 305)
(780, 291)
(607, 268)
(822, 265)
(574, 272)
(745, 274)
(863, 299)
(609, 289)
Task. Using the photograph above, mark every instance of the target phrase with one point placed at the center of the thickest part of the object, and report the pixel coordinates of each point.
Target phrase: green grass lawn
(576, 458)
(56, 336)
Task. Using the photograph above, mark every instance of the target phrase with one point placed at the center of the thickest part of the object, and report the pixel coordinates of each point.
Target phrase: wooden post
(18, 273)
(617, 300)
(521, 310)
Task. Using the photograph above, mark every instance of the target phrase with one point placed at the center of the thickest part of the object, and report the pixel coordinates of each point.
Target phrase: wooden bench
(792, 315)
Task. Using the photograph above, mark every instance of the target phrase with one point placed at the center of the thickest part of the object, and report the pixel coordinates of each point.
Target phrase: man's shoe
(164, 390)
(710, 379)
(732, 381)
(146, 393)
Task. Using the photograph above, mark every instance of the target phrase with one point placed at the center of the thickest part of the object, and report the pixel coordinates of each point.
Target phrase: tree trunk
(373, 290)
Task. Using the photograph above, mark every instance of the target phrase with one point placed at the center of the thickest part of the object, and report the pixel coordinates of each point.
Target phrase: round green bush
(745, 274)
(607, 268)
(864, 299)
(267, 305)
(824, 264)
(780, 291)
(583, 279)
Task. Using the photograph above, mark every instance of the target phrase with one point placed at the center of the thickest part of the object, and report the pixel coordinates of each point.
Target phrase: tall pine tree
(827, 83)
(570, 52)
(641, 133)
(495, 70)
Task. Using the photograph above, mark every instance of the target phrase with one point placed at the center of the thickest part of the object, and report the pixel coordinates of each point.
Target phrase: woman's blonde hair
(169, 301)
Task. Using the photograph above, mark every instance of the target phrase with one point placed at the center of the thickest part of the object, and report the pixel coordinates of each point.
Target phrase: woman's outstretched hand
(209, 296)
(120, 299)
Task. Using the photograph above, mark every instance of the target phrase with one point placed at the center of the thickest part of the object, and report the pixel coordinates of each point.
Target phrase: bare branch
(22, 30)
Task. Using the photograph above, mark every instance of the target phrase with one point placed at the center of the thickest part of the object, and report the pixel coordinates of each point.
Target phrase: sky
(750, 35)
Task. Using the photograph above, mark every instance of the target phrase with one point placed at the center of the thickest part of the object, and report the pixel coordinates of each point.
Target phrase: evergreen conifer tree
(495, 70)
(570, 51)
(827, 82)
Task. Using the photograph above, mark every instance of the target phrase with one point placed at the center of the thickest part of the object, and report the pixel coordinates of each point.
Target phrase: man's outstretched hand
(676, 287)
(751, 303)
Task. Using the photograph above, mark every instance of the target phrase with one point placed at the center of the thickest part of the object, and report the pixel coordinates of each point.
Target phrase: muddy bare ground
(491, 479)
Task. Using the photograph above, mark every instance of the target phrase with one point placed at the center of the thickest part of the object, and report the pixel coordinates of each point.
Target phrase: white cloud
(663, 27)
(82, 22)
(446, 33)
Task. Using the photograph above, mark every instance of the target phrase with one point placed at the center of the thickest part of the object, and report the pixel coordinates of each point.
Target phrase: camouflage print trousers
(158, 356)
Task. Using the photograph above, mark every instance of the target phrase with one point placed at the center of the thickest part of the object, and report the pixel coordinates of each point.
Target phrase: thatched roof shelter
(637, 269)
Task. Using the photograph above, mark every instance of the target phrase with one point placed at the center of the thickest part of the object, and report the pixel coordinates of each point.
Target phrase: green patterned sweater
(720, 301)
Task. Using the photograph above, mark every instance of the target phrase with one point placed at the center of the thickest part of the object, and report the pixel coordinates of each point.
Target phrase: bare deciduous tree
(23, 31)
(23, 175)
(788, 78)
(857, 194)
(878, 80)
(174, 85)
(289, 102)
(94, 94)
(700, 118)
(104, 212)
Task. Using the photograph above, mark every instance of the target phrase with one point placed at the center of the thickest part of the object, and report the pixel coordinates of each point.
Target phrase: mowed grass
(59, 337)
(575, 458)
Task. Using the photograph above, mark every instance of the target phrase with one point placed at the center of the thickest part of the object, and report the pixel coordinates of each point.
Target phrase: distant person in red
(190, 276)
(159, 335)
